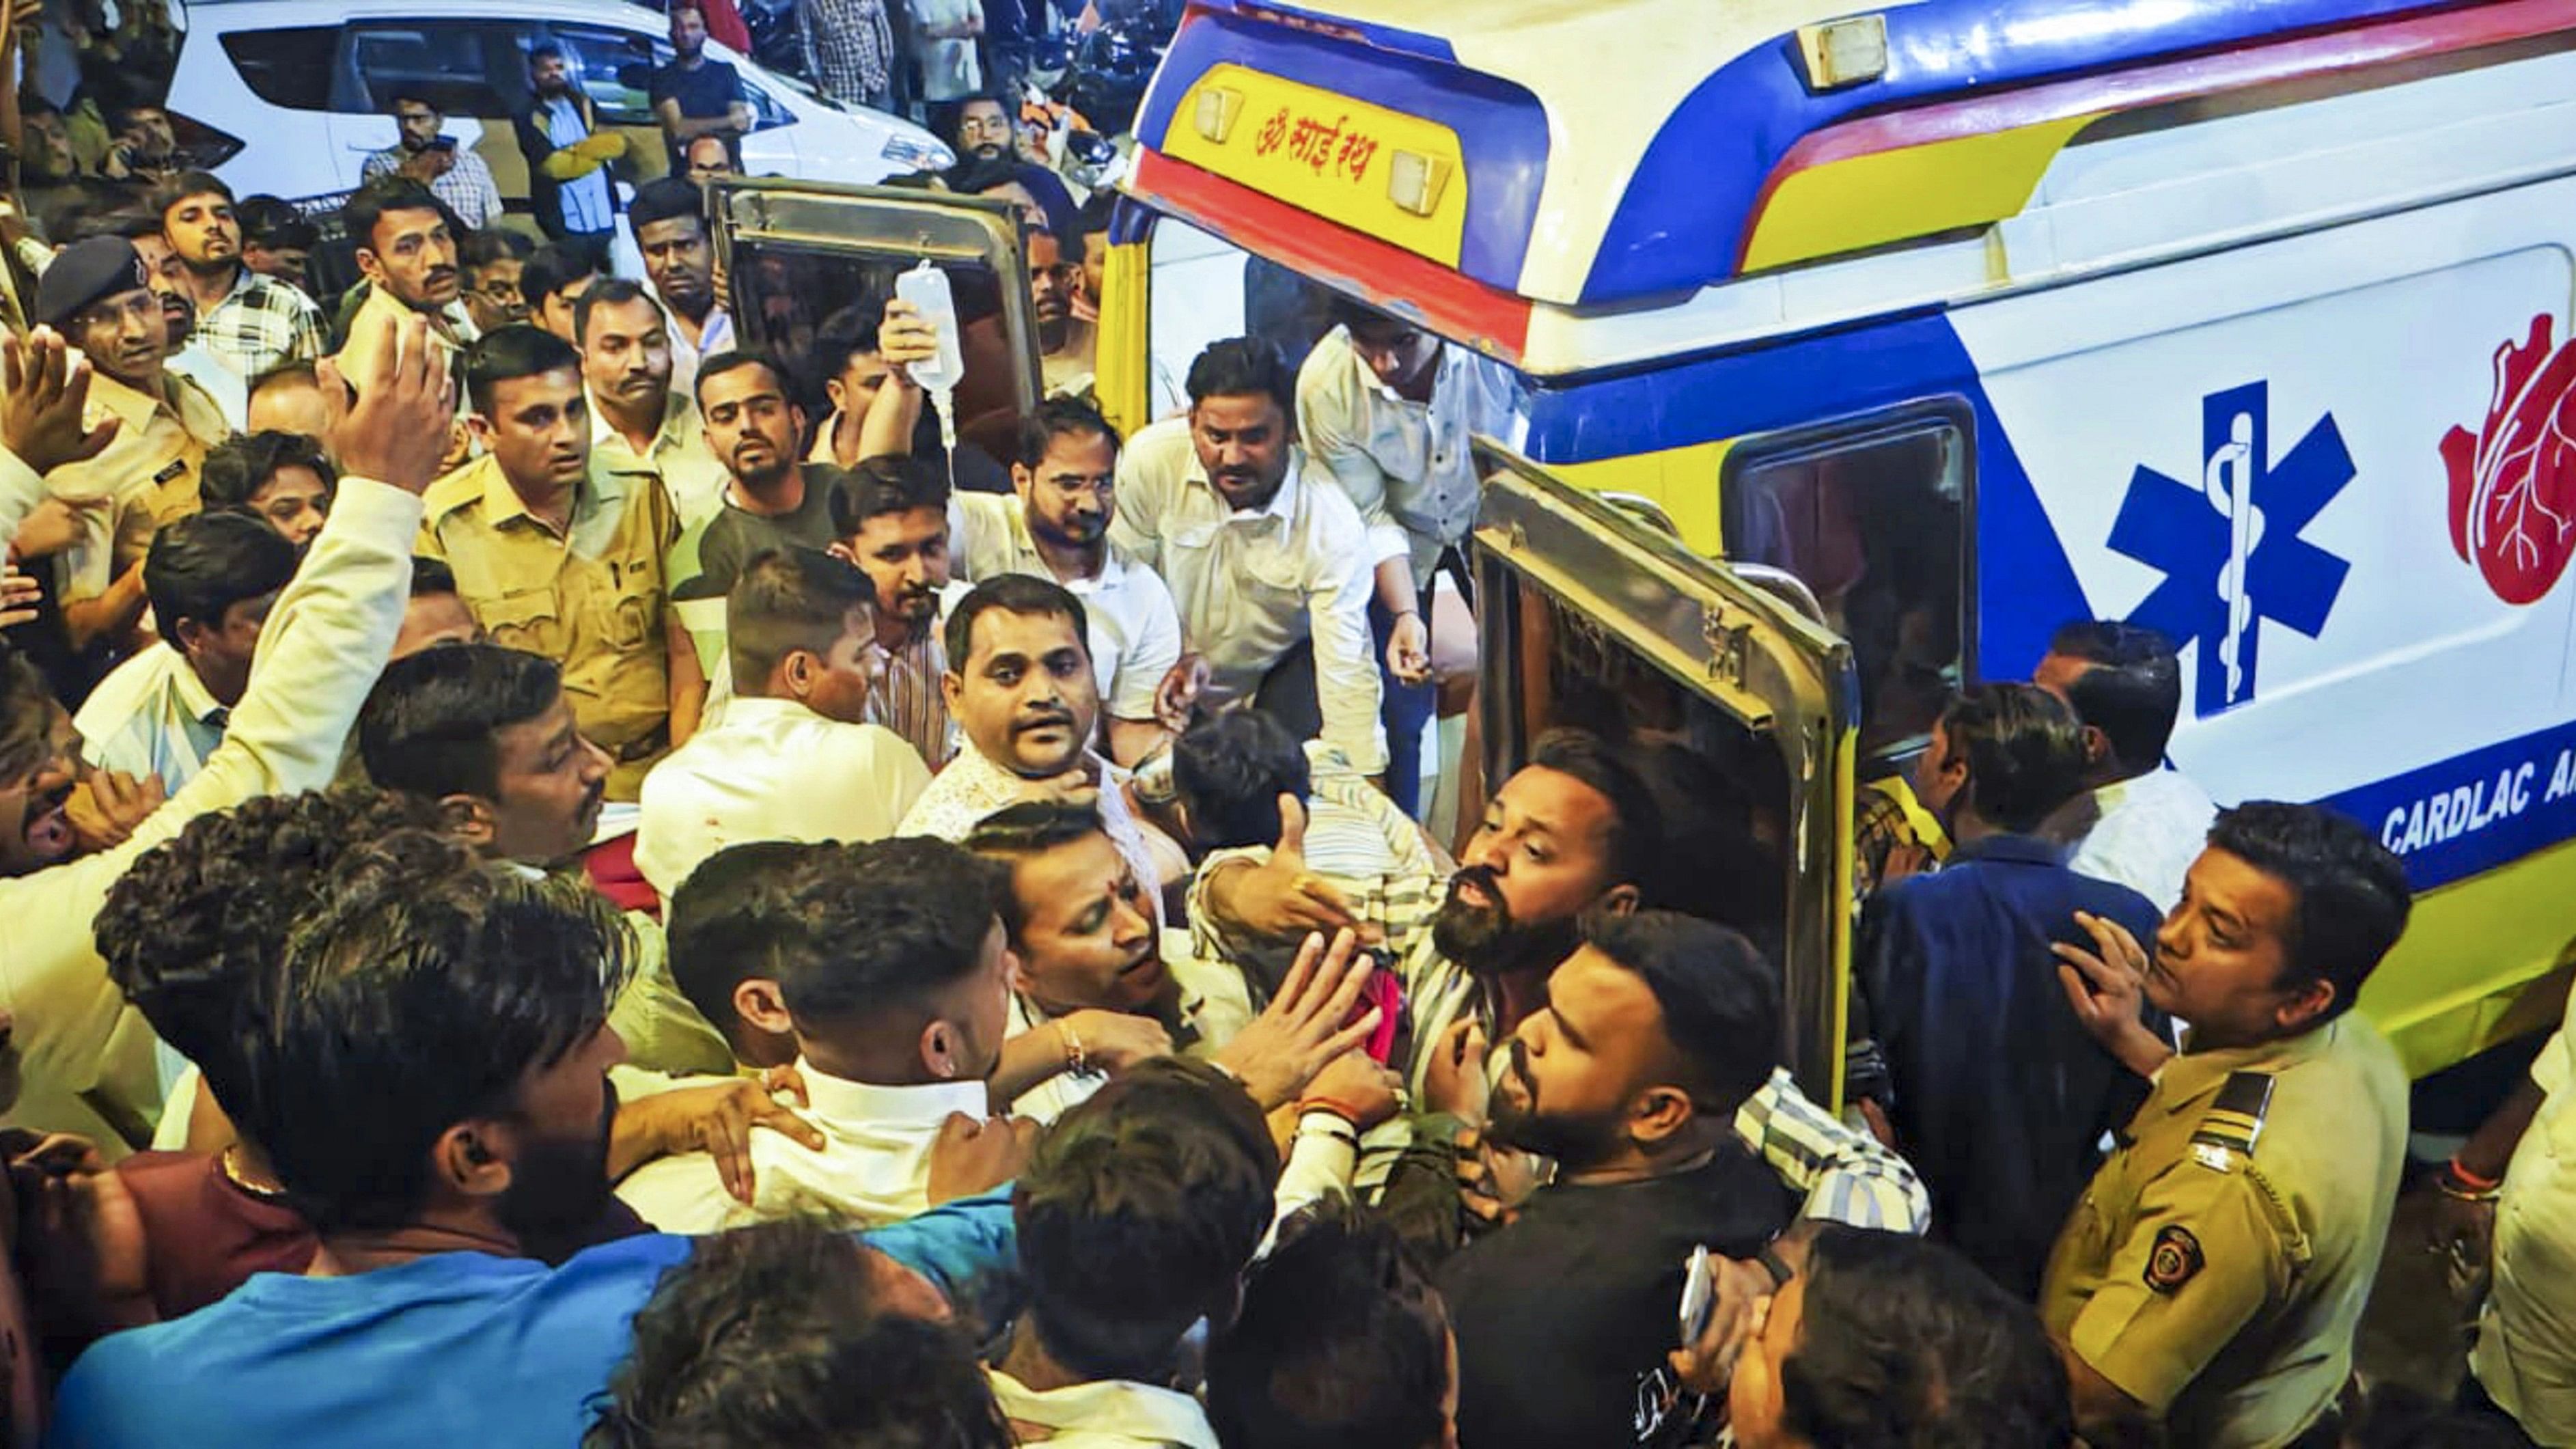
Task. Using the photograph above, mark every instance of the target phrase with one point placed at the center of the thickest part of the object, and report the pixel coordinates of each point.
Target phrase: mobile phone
(1385, 993)
(1699, 1295)
(443, 143)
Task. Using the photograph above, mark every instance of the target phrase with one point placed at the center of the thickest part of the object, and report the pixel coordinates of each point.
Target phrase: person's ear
(1016, 970)
(942, 1049)
(481, 427)
(473, 1158)
(796, 420)
(1658, 1114)
(952, 688)
(797, 671)
(1621, 900)
(2304, 1004)
(842, 551)
(191, 637)
(2097, 747)
(758, 1001)
(470, 819)
(370, 266)
(1022, 480)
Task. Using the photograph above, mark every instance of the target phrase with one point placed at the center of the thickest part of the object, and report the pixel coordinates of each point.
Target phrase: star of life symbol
(2229, 545)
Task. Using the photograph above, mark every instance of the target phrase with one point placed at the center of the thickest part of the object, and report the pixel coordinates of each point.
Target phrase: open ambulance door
(805, 260)
(1589, 616)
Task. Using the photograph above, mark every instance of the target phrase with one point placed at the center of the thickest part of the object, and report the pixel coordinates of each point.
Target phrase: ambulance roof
(1623, 150)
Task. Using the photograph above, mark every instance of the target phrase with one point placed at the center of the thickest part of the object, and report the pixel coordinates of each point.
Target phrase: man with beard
(189, 357)
(87, 1062)
(639, 422)
(250, 322)
(693, 96)
(771, 499)
(407, 252)
(669, 217)
(1657, 1029)
(891, 519)
(49, 174)
(568, 155)
(1267, 560)
(429, 1078)
(791, 756)
(1020, 683)
(453, 174)
(561, 554)
(99, 295)
(1057, 527)
(1066, 343)
(495, 262)
(984, 130)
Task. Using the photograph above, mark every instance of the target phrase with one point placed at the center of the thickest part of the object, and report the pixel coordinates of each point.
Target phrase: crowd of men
(563, 886)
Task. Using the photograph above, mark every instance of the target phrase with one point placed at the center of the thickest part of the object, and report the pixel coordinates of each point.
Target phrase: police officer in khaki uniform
(558, 554)
(2205, 1290)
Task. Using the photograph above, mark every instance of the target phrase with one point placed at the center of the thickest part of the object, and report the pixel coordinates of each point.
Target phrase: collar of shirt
(244, 280)
(1114, 562)
(1114, 1409)
(2011, 850)
(602, 488)
(838, 1102)
(679, 426)
(192, 694)
(133, 406)
(1282, 507)
(2195, 1076)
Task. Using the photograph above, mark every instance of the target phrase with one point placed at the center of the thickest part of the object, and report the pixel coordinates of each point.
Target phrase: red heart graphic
(2513, 485)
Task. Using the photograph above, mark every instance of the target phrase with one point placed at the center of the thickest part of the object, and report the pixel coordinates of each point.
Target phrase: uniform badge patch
(2174, 1259)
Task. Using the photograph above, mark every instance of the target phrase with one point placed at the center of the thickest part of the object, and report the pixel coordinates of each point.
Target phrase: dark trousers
(1404, 709)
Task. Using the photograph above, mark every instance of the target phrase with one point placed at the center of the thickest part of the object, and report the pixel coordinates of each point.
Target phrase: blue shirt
(2001, 1097)
(452, 1349)
(587, 206)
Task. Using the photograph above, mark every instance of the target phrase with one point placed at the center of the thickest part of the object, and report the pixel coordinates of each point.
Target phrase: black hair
(203, 564)
(427, 727)
(1719, 999)
(1031, 827)
(241, 465)
(553, 267)
(1062, 417)
(607, 292)
(844, 335)
(492, 244)
(2131, 689)
(786, 599)
(2024, 750)
(129, 222)
(666, 198)
(718, 924)
(1904, 1343)
(893, 483)
(32, 104)
(544, 50)
(1342, 1342)
(724, 362)
(417, 95)
(1024, 594)
(506, 354)
(2352, 895)
(1359, 316)
(1230, 770)
(368, 204)
(419, 996)
(184, 185)
(1240, 367)
(1636, 822)
(773, 1334)
(858, 931)
(275, 223)
(1138, 1213)
(195, 920)
(27, 710)
(431, 576)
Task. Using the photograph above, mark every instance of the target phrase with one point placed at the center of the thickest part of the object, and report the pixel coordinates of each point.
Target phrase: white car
(305, 89)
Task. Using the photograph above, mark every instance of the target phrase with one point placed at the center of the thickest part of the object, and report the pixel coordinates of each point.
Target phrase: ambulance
(1853, 352)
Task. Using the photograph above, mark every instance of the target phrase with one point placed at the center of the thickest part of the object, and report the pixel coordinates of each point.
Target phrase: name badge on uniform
(2174, 1259)
(177, 467)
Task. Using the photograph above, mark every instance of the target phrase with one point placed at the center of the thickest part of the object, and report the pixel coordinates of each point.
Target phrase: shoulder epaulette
(2234, 1122)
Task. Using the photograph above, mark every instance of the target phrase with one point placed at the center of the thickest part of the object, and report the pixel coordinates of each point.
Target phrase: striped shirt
(260, 324)
(907, 698)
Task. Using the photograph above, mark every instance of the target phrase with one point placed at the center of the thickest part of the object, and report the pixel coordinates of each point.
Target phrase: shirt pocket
(623, 623)
(529, 619)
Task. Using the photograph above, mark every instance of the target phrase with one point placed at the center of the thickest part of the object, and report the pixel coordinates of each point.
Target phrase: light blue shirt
(587, 205)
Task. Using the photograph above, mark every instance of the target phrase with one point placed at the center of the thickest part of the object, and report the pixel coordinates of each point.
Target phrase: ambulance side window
(1206, 289)
(1869, 514)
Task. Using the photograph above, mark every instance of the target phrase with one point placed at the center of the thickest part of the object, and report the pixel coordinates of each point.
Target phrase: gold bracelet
(1076, 1060)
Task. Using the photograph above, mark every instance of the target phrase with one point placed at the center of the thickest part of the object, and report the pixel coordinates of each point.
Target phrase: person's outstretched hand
(1306, 1025)
(44, 394)
(397, 430)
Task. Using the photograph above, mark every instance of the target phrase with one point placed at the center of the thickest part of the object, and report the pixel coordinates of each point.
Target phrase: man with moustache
(1056, 526)
(669, 217)
(1267, 560)
(446, 1151)
(771, 498)
(1020, 683)
(189, 357)
(639, 422)
(250, 322)
(1657, 1029)
(1066, 343)
(559, 553)
(453, 173)
(494, 263)
(891, 519)
(569, 155)
(407, 253)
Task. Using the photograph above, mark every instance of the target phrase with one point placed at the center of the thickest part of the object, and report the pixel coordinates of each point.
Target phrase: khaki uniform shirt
(148, 475)
(591, 598)
(678, 453)
(2218, 1263)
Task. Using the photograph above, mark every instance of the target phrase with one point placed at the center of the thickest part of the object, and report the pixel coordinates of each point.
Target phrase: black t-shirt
(1563, 1319)
(709, 90)
(734, 537)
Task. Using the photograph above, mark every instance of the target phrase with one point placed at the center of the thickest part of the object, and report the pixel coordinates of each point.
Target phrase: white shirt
(1135, 631)
(678, 453)
(1406, 465)
(1216, 1003)
(229, 389)
(1113, 1414)
(152, 715)
(2145, 834)
(771, 769)
(972, 787)
(86, 1056)
(1250, 584)
(873, 1169)
(948, 67)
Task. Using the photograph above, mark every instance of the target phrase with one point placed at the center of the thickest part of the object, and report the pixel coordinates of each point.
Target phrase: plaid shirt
(848, 49)
(260, 324)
